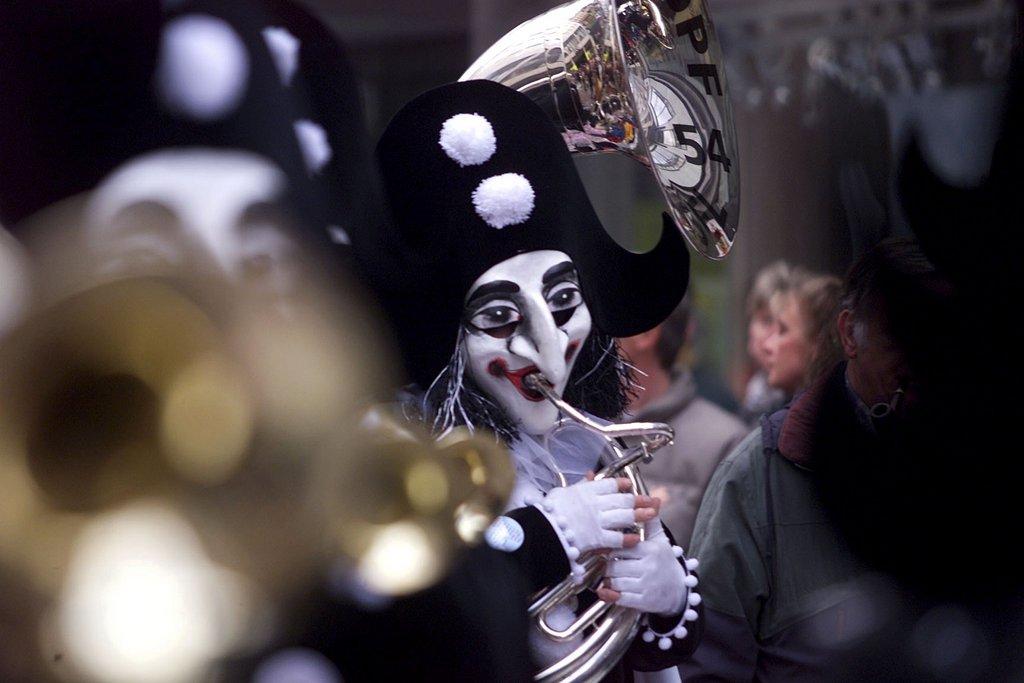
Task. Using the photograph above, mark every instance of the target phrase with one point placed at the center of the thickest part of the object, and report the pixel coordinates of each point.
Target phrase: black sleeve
(541, 557)
(643, 656)
(471, 626)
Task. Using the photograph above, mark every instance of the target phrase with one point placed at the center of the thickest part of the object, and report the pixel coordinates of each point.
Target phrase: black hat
(89, 86)
(476, 173)
(321, 84)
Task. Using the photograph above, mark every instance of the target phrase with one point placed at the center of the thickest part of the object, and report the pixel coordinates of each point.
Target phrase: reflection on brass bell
(404, 503)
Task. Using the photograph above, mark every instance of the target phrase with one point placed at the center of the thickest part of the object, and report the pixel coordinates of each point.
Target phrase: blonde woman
(801, 342)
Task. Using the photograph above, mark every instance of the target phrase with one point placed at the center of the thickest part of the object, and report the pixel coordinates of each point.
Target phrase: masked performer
(497, 267)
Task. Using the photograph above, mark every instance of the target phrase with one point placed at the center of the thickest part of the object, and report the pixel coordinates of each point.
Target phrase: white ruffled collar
(570, 450)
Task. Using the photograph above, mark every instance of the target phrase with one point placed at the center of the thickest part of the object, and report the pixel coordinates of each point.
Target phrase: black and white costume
(495, 267)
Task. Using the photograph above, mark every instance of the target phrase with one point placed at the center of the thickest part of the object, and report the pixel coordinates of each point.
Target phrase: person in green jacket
(785, 572)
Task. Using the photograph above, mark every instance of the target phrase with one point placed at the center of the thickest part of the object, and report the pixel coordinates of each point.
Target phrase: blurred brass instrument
(181, 459)
(611, 628)
(411, 502)
(644, 78)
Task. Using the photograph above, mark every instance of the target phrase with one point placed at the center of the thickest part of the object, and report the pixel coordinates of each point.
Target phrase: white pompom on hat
(314, 144)
(468, 139)
(284, 50)
(203, 69)
(504, 200)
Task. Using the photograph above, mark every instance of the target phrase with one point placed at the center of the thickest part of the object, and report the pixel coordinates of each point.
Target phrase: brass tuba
(607, 630)
(644, 78)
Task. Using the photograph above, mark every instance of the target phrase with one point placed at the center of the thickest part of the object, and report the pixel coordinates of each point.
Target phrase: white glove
(590, 514)
(649, 578)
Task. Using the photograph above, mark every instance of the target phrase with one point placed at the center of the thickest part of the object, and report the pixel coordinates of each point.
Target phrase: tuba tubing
(614, 627)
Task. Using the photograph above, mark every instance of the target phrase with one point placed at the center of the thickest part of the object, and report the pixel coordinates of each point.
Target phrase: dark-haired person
(496, 267)
(824, 489)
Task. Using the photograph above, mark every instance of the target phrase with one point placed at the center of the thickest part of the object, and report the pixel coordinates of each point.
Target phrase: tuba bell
(644, 78)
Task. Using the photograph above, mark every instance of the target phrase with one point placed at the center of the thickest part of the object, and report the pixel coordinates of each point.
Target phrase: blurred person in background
(705, 433)
(795, 517)
(801, 344)
(961, 617)
(758, 397)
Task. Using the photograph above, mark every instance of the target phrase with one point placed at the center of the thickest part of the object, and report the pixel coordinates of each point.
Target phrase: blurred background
(825, 94)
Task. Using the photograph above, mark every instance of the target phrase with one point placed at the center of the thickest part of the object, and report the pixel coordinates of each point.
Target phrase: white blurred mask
(171, 205)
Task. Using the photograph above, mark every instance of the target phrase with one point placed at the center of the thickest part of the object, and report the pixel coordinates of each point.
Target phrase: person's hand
(592, 515)
(648, 520)
(648, 578)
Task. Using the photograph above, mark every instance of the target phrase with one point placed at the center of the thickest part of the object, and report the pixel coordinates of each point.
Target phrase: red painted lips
(499, 368)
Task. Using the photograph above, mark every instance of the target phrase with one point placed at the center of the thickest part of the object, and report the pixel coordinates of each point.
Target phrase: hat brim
(629, 293)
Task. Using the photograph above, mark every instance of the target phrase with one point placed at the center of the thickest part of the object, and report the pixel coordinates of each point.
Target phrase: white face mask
(163, 207)
(523, 315)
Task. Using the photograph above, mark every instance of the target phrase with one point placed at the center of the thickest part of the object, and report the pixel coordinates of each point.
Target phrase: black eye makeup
(498, 318)
(566, 295)
(491, 308)
(562, 292)
(563, 300)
